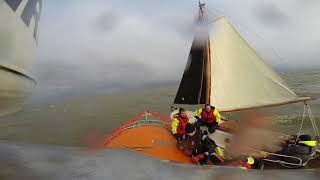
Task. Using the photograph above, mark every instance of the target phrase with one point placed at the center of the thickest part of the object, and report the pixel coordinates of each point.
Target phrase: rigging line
(302, 121)
(204, 16)
(268, 44)
(215, 11)
(313, 121)
(215, 15)
(201, 13)
(315, 128)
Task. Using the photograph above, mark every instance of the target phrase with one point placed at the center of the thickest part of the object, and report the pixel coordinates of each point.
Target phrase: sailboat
(222, 70)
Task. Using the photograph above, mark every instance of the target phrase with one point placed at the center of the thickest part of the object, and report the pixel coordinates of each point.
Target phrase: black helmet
(304, 138)
(190, 128)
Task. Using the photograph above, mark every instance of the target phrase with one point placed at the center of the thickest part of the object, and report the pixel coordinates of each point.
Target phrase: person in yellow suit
(207, 116)
(178, 124)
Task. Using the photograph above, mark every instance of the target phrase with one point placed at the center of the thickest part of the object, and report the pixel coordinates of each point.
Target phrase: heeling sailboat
(231, 77)
(222, 70)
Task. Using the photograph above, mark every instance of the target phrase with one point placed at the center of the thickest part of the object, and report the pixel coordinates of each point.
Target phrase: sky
(129, 43)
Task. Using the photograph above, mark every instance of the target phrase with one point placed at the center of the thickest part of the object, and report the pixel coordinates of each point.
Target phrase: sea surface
(70, 120)
(48, 138)
(45, 162)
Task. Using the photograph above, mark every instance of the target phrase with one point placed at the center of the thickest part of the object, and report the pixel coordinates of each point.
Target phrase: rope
(268, 44)
(302, 121)
(314, 125)
(307, 109)
(215, 15)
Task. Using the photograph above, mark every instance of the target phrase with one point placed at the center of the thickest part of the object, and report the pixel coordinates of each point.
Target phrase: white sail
(239, 77)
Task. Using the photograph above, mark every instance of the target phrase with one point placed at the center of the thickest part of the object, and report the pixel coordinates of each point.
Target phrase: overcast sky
(120, 43)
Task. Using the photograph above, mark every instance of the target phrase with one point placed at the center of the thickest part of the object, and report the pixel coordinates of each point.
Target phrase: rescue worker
(207, 116)
(302, 149)
(178, 124)
(200, 147)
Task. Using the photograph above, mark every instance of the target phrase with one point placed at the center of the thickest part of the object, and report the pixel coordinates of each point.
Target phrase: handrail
(146, 123)
(106, 139)
(284, 162)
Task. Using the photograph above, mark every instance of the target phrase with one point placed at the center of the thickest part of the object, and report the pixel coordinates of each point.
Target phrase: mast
(201, 10)
(206, 80)
(196, 81)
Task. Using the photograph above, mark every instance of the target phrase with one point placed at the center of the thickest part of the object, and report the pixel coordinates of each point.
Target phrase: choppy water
(69, 120)
(25, 161)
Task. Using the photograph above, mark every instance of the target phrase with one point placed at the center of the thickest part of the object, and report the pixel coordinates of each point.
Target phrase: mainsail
(196, 74)
(239, 79)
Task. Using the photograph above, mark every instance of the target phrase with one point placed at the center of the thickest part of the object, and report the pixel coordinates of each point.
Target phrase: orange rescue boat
(149, 136)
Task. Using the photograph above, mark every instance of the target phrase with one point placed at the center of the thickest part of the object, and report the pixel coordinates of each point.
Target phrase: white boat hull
(18, 34)
(13, 91)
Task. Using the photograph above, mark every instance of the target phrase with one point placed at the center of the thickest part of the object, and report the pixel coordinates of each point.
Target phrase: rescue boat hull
(152, 137)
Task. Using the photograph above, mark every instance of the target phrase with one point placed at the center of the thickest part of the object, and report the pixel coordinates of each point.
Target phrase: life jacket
(219, 152)
(240, 164)
(182, 124)
(208, 117)
(308, 143)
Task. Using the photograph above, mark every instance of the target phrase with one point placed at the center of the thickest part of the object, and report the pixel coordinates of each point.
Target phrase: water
(69, 120)
(25, 161)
